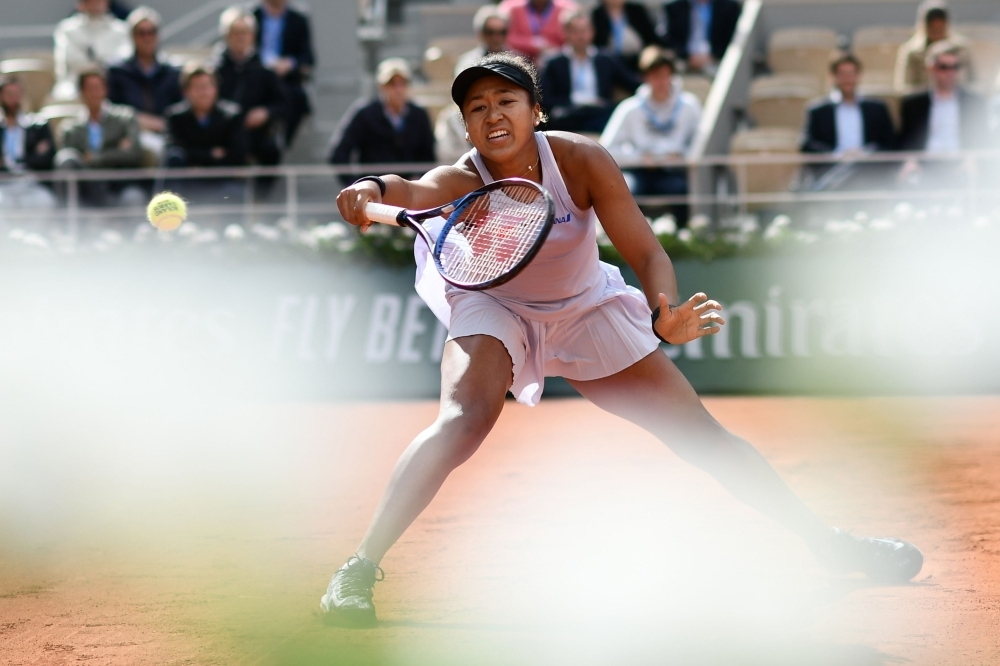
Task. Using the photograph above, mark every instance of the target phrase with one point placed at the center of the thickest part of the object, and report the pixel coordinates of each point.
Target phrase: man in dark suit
(699, 31)
(144, 81)
(388, 129)
(961, 116)
(204, 130)
(25, 140)
(623, 29)
(244, 80)
(284, 41)
(842, 123)
(943, 119)
(848, 127)
(578, 84)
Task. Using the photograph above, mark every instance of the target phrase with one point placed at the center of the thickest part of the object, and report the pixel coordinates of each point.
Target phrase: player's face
(499, 117)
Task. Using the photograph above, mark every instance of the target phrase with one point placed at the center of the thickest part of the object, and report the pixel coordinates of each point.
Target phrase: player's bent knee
(463, 429)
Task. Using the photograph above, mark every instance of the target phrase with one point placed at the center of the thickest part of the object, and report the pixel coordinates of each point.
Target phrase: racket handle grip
(383, 213)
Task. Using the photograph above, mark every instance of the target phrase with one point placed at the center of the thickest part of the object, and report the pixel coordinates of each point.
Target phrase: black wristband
(656, 315)
(374, 179)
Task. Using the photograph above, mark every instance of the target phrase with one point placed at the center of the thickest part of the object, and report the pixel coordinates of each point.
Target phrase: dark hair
(82, 77)
(193, 69)
(517, 62)
(839, 59)
(653, 57)
(7, 80)
(936, 14)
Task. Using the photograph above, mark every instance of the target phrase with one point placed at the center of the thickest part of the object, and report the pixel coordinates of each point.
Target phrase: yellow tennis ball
(166, 211)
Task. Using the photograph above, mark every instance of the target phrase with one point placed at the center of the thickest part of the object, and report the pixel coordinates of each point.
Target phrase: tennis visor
(465, 78)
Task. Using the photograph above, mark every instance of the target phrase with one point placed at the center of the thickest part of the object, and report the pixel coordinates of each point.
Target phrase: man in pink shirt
(534, 27)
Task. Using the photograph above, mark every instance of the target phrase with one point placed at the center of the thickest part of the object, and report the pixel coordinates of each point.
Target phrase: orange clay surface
(570, 538)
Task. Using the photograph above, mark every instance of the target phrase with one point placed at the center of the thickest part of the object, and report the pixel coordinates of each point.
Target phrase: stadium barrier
(307, 193)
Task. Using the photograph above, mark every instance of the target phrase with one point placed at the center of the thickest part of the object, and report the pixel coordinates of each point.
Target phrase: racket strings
(493, 233)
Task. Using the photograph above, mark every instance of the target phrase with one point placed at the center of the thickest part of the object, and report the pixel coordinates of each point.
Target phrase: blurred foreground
(205, 533)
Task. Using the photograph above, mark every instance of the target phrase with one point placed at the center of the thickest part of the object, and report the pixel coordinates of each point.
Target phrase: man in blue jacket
(284, 41)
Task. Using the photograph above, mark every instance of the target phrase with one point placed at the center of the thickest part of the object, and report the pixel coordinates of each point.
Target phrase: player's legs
(476, 372)
(656, 396)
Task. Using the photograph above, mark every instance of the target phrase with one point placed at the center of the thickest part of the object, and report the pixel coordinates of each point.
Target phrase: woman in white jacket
(658, 122)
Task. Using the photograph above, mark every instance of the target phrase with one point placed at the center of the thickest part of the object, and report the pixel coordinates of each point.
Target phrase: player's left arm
(632, 236)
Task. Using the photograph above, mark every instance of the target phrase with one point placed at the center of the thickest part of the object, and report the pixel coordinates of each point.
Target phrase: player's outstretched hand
(351, 202)
(688, 321)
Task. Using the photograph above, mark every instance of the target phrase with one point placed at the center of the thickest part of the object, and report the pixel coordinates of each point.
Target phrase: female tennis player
(567, 314)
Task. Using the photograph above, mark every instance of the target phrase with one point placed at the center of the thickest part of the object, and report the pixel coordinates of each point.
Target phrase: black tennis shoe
(349, 593)
(883, 560)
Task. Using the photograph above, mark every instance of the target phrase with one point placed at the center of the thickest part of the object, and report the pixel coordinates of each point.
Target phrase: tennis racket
(489, 235)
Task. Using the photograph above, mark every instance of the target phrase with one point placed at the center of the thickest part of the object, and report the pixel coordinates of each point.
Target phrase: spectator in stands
(90, 38)
(843, 123)
(534, 27)
(699, 31)
(104, 136)
(204, 130)
(243, 79)
(932, 27)
(577, 85)
(623, 29)
(284, 41)
(658, 122)
(944, 119)
(26, 143)
(146, 82)
(947, 117)
(388, 129)
(849, 127)
(491, 26)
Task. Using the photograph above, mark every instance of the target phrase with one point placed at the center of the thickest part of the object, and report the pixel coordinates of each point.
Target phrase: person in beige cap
(389, 129)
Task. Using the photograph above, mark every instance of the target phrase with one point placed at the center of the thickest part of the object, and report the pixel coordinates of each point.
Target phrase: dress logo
(563, 220)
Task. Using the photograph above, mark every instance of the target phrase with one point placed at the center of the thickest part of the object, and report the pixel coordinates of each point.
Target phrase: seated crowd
(945, 117)
(605, 72)
(612, 71)
(242, 106)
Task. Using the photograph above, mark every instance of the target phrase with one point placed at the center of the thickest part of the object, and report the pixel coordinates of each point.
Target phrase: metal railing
(309, 191)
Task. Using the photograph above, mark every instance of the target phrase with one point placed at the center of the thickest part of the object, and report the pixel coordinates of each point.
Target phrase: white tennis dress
(567, 314)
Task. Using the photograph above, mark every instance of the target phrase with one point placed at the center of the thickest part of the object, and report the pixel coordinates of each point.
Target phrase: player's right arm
(435, 188)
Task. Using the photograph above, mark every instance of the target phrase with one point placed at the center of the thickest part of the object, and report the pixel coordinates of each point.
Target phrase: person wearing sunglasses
(946, 118)
(933, 26)
(491, 28)
(144, 80)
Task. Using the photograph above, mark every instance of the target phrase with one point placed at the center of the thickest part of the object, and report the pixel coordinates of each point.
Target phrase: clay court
(205, 534)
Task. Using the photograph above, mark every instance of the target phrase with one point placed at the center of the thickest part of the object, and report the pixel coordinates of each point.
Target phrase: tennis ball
(166, 211)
